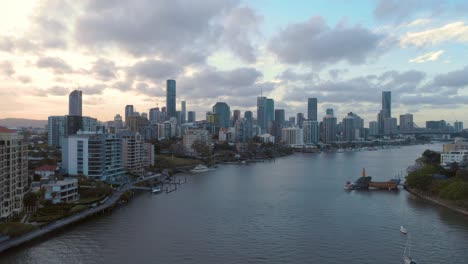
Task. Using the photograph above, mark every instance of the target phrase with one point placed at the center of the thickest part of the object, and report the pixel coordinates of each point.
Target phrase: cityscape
(256, 140)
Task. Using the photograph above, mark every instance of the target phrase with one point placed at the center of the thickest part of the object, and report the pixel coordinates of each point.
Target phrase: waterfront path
(63, 222)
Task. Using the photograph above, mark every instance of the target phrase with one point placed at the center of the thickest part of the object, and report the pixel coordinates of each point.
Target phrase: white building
(13, 172)
(136, 153)
(267, 138)
(94, 154)
(454, 156)
(191, 135)
(311, 132)
(65, 191)
(457, 145)
(292, 136)
(46, 171)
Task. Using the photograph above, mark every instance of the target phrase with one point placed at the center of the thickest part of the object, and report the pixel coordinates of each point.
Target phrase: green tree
(30, 199)
(201, 148)
(462, 174)
(431, 157)
(421, 179)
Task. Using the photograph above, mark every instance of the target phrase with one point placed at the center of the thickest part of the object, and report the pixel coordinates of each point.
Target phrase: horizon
(343, 56)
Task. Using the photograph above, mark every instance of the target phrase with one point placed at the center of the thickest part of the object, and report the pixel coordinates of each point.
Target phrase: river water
(292, 210)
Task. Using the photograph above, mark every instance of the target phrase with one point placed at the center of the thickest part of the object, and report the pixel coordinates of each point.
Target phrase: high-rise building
(349, 128)
(57, 128)
(300, 119)
(75, 103)
(311, 132)
(243, 128)
(248, 115)
(381, 120)
(223, 113)
(74, 124)
(192, 116)
(292, 136)
(13, 172)
(261, 116)
(312, 109)
(440, 125)
(329, 128)
(390, 126)
(269, 113)
(358, 125)
(129, 111)
(458, 126)
(373, 128)
(95, 155)
(292, 120)
(329, 111)
(406, 123)
(118, 123)
(191, 135)
(171, 98)
(136, 154)
(236, 115)
(135, 123)
(280, 116)
(155, 115)
(183, 112)
(387, 103)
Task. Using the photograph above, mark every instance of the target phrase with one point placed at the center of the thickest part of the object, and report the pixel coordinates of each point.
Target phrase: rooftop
(46, 168)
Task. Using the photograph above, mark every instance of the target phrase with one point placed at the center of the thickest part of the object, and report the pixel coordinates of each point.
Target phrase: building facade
(312, 109)
(13, 172)
(64, 191)
(223, 114)
(406, 123)
(191, 135)
(292, 136)
(311, 132)
(75, 103)
(171, 98)
(137, 155)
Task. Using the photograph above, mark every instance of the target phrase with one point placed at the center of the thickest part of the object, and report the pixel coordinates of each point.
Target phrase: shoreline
(443, 203)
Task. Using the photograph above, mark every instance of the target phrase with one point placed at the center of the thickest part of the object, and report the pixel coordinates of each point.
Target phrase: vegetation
(15, 229)
(201, 148)
(167, 162)
(52, 212)
(453, 188)
(30, 199)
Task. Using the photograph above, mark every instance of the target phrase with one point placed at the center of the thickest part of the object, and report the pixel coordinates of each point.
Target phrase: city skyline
(284, 52)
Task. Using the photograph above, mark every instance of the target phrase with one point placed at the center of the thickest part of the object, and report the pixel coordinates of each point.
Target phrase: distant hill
(22, 122)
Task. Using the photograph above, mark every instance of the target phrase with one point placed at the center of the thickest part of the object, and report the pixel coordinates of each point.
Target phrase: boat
(340, 150)
(390, 184)
(408, 260)
(359, 184)
(156, 190)
(199, 169)
(403, 230)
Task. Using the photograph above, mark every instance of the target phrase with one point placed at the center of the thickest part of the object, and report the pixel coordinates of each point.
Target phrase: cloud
(430, 56)
(92, 89)
(313, 42)
(145, 88)
(57, 91)
(155, 70)
(418, 22)
(291, 76)
(456, 31)
(24, 79)
(454, 79)
(6, 68)
(212, 83)
(401, 9)
(58, 65)
(104, 69)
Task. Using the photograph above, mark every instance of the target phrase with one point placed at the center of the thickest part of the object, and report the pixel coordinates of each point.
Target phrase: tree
(462, 174)
(201, 148)
(177, 149)
(30, 199)
(36, 177)
(431, 157)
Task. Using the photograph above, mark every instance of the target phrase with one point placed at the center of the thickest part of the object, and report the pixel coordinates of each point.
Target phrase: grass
(50, 213)
(13, 229)
(165, 161)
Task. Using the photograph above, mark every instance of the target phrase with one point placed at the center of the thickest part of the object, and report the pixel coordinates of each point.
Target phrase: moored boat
(403, 230)
(200, 168)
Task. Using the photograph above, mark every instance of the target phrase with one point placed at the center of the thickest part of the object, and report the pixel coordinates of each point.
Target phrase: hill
(22, 122)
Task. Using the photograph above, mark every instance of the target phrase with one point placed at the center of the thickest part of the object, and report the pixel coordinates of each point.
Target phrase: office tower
(57, 128)
(75, 103)
(137, 155)
(269, 114)
(74, 124)
(136, 122)
(223, 113)
(248, 115)
(192, 116)
(243, 128)
(292, 136)
(89, 124)
(183, 112)
(329, 128)
(128, 113)
(300, 119)
(458, 126)
(440, 125)
(280, 116)
(311, 132)
(236, 115)
(373, 128)
(406, 123)
(349, 128)
(95, 155)
(387, 103)
(358, 125)
(261, 117)
(13, 172)
(171, 98)
(154, 115)
(381, 120)
(211, 118)
(144, 115)
(329, 111)
(390, 126)
(191, 135)
(292, 120)
(312, 109)
(118, 123)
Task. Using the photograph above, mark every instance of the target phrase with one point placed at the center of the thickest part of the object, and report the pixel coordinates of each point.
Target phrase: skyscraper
(329, 128)
(128, 113)
(373, 128)
(118, 121)
(248, 115)
(75, 103)
(171, 98)
(330, 111)
(458, 126)
(235, 116)
(406, 123)
(183, 112)
(261, 102)
(310, 132)
(312, 109)
(223, 113)
(387, 103)
(300, 119)
(269, 113)
(349, 129)
(280, 116)
(191, 116)
(154, 115)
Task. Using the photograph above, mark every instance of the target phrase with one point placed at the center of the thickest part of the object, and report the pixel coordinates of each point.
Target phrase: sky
(343, 52)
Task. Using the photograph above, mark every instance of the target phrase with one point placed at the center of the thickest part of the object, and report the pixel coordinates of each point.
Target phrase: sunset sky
(345, 53)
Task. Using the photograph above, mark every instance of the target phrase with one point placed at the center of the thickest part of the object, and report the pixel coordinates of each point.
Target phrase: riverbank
(441, 202)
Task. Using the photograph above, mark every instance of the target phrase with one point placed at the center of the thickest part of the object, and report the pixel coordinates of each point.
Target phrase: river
(291, 210)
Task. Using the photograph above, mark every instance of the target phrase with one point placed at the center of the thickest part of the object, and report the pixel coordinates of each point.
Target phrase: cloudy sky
(342, 52)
